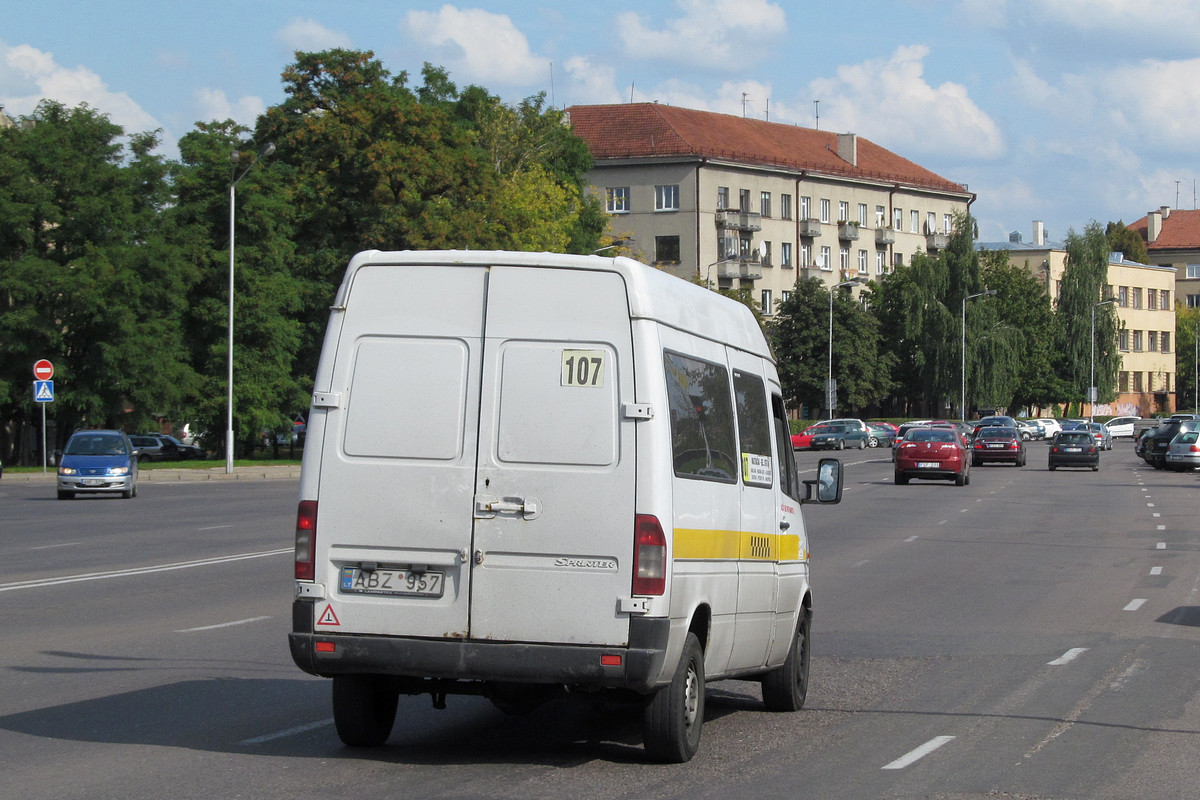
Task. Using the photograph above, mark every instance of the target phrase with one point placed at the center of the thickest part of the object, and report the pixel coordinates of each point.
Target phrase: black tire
(841, 445)
(65, 495)
(786, 688)
(960, 479)
(901, 479)
(975, 462)
(364, 709)
(862, 443)
(1052, 468)
(674, 717)
(1096, 468)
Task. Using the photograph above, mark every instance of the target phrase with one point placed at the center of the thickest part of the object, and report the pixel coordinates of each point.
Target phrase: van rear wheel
(364, 708)
(673, 718)
(786, 688)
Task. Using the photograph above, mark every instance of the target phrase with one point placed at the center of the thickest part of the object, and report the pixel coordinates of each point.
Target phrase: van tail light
(306, 540)
(649, 556)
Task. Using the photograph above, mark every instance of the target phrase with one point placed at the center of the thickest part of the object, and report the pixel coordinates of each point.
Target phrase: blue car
(98, 462)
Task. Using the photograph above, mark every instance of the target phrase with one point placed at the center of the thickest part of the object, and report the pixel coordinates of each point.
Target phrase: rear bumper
(641, 662)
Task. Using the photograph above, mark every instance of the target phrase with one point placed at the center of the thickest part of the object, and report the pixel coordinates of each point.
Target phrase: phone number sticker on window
(583, 368)
(756, 469)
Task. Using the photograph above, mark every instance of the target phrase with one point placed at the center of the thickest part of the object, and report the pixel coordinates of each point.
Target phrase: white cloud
(890, 102)
(1158, 101)
(717, 34)
(29, 75)
(212, 104)
(479, 46)
(590, 83)
(311, 36)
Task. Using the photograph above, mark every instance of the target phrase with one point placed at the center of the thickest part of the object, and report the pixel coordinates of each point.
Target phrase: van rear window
(703, 443)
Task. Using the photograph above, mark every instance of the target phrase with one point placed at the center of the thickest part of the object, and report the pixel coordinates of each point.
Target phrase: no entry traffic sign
(43, 370)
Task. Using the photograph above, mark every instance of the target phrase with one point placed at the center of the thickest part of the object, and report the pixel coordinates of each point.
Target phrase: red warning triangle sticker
(328, 617)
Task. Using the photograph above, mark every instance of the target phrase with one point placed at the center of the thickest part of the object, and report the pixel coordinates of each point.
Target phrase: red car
(934, 453)
(803, 440)
(998, 444)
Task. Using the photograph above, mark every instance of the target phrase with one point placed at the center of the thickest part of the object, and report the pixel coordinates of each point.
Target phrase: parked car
(1030, 430)
(997, 443)
(1049, 425)
(1121, 427)
(882, 434)
(839, 436)
(1184, 451)
(1159, 440)
(932, 453)
(1074, 449)
(1073, 424)
(1102, 434)
(1140, 444)
(159, 447)
(992, 422)
(803, 440)
(97, 462)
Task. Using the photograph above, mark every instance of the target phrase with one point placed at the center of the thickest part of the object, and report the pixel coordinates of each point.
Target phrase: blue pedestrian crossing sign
(43, 391)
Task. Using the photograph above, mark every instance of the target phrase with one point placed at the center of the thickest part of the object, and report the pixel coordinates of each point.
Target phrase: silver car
(1101, 434)
(1184, 451)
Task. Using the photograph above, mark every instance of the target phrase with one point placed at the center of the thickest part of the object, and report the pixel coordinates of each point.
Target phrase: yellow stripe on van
(698, 543)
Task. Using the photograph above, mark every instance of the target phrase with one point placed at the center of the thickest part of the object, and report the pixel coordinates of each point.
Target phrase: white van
(528, 473)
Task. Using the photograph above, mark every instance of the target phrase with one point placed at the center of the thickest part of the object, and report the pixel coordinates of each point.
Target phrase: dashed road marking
(913, 756)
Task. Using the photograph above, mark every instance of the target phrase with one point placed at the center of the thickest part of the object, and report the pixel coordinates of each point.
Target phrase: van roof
(653, 294)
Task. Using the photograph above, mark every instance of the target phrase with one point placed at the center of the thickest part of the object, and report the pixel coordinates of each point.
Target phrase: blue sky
(1066, 111)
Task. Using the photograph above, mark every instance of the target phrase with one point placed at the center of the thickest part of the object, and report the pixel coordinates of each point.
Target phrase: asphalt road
(1031, 635)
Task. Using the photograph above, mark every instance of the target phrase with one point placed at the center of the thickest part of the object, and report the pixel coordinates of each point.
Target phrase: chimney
(1166, 211)
(848, 148)
(1039, 233)
(1153, 226)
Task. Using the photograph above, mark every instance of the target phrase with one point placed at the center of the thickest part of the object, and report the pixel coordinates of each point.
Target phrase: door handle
(784, 525)
(528, 507)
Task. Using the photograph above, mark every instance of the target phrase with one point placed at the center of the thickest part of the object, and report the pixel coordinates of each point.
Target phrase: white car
(1049, 425)
(1122, 427)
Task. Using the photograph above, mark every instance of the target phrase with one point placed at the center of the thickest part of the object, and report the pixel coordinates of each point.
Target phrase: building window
(1164, 300)
(824, 210)
(766, 302)
(666, 249)
(844, 259)
(1193, 300)
(785, 255)
(862, 263)
(617, 199)
(1123, 296)
(764, 204)
(1152, 340)
(766, 254)
(826, 258)
(862, 214)
(1151, 299)
(897, 261)
(1149, 381)
(729, 247)
(898, 219)
(947, 222)
(666, 198)
(1123, 382)
(1137, 341)
(785, 206)
(931, 222)
(1137, 381)
(843, 211)
(785, 295)
(1164, 339)
(805, 208)
(1193, 270)
(1137, 297)
(880, 261)
(880, 216)
(722, 197)
(743, 199)
(745, 246)
(805, 255)
(1123, 340)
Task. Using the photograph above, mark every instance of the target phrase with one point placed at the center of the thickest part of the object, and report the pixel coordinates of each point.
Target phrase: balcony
(809, 227)
(885, 236)
(732, 219)
(848, 231)
(936, 241)
(747, 269)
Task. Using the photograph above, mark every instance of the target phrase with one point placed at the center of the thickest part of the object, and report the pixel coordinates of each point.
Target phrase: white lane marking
(1162, 527)
(1162, 545)
(214, 527)
(1067, 657)
(1134, 605)
(1149, 505)
(267, 737)
(52, 546)
(223, 625)
(916, 755)
(862, 563)
(912, 538)
(121, 573)
(1156, 515)
(1156, 570)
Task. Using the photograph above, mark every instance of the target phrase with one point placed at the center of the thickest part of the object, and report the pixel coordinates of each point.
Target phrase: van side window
(789, 474)
(754, 429)
(702, 438)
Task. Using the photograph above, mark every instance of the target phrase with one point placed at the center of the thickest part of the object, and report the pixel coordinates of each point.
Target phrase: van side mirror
(828, 482)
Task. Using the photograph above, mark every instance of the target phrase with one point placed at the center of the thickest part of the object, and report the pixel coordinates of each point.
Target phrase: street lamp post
(830, 395)
(962, 407)
(1092, 393)
(266, 150)
(1196, 371)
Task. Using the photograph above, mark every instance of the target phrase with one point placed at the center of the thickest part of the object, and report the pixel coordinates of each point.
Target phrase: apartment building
(1145, 306)
(743, 203)
(1173, 240)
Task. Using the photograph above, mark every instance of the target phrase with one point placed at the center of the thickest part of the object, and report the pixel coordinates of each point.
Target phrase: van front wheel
(674, 716)
(786, 688)
(364, 709)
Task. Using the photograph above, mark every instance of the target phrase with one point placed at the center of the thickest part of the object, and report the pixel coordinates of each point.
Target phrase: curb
(182, 475)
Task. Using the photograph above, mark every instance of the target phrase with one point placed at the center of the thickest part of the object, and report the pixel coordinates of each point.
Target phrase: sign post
(43, 392)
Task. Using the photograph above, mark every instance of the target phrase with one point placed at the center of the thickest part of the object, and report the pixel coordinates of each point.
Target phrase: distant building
(743, 203)
(1173, 240)
(1145, 319)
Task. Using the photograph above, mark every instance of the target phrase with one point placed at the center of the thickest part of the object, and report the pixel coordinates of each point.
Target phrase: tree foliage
(1083, 284)
(1125, 241)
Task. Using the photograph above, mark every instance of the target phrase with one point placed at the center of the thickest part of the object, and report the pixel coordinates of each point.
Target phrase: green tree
(1125, 241)
(1083, 283)
(1187, 325)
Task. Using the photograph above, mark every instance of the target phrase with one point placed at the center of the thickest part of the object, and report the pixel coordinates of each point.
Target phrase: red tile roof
(1181, 230)
(644, 130)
